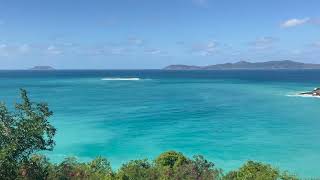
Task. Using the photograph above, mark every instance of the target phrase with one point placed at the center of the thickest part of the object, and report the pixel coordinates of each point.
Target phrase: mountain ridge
(245, 65)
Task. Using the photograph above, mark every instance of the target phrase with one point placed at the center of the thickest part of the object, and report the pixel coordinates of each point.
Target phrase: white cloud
(266, 42)
(316, 44)
(24, 48)
(205, 49)
(2, 46)
(294, 22)
(135, 41)
(315, 21)
(106, 50)
(153, 51)
(14, 49)
(296, 52)
(4, 50)
(118, 51)
(53, 50)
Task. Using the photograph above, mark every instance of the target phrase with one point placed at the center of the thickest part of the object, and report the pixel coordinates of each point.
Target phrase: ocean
(227, 116)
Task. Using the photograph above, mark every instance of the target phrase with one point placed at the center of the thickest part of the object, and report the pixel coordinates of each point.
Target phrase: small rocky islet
(41, 68)
(315, 92)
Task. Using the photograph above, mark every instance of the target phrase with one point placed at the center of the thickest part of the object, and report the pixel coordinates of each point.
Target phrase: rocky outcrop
(315, 92)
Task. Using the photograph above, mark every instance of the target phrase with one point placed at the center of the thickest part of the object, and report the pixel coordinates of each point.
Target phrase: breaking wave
(121, 79)
(302, 95)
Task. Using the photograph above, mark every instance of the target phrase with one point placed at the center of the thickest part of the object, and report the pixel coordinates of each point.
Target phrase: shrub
(197, 168)
(100, 168)
(37, 167)
(170, 159)
(257, 171)
(138, 169)
(70, 168)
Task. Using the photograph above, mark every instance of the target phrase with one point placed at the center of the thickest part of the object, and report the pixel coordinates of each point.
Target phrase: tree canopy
(22, 133)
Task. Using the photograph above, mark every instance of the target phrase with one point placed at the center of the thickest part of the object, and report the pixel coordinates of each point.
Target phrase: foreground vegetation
(27, 131)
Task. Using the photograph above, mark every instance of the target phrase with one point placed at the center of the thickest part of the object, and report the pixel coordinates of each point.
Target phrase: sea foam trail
(302, 95)
(120, 79)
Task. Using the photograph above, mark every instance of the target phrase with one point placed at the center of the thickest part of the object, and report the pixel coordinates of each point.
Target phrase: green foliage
(170, 159)
(197, 168)
(71, 169)
(257, 171)
(100, 167)
(37, 167)
(205, 169)
(137, 169)
(23, 133)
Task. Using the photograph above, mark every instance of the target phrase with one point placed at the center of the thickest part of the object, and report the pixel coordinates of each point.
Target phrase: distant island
(286, 64)
(42, 68)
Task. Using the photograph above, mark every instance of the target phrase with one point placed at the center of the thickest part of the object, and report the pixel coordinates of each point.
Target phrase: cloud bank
(295, 22)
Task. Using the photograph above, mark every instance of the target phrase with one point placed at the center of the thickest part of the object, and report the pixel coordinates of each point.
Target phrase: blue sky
(138, 34)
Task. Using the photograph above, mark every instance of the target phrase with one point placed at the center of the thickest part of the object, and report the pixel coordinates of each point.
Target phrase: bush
(170, 159)
(70, 168)
(100, 168)
(257, 171)
(197, 168)
(37, 167)
(138, 169)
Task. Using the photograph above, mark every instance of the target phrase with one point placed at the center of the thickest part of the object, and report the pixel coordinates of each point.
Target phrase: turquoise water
(227, 116)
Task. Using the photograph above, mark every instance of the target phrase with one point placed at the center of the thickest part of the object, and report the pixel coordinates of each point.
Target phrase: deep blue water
(228, 116)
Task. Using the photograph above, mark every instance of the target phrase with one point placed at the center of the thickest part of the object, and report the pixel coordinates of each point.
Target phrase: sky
(151, 34)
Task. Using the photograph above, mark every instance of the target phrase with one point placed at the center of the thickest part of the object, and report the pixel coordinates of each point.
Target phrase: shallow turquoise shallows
(227, 116)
